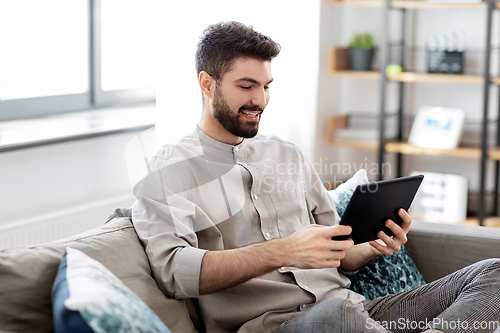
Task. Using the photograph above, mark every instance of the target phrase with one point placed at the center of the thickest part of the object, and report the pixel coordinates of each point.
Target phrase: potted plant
(361, 49)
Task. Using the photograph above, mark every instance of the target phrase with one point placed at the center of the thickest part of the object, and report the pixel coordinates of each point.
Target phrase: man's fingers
(340, 245)
(380, 246)
(406, 220)
(389, 241)
(395, 228)
(340, 230)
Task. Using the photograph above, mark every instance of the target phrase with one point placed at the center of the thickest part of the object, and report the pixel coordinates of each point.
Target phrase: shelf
(494, 154)
(416, 77)
(339, 122)
(342, 121)
(339, 66)
(493, 222)
(424, 4)
(367, 145)
(357, 3)
(408, 149)
(369, 75)
(428, 77)
(407, 4)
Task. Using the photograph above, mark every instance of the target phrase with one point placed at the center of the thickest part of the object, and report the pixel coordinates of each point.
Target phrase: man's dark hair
(222, 43)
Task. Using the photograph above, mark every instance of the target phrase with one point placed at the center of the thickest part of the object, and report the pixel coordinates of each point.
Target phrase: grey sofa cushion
(27, 275)
(439, 249)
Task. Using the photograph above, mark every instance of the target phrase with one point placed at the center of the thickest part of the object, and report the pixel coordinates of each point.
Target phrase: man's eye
(266, 87)
(246, 88)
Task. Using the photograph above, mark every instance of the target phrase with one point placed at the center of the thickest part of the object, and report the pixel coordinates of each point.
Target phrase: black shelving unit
(383, 61)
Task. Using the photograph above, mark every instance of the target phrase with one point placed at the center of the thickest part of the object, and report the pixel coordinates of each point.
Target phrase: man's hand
(386, 245)
(361, 254)
(313, 247)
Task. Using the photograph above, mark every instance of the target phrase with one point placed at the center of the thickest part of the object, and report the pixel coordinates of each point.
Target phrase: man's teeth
(251, 114)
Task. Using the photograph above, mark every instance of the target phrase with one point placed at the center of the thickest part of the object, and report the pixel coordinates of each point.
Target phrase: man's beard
(231, 121)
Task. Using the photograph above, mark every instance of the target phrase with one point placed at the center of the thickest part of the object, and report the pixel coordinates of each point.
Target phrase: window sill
(22, 134)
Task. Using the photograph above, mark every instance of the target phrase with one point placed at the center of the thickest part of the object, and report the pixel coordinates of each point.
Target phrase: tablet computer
(372, 204)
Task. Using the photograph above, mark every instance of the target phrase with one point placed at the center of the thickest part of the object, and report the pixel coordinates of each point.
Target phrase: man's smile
(251, 115)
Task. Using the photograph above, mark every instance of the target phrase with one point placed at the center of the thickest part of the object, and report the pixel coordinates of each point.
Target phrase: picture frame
(437, 127)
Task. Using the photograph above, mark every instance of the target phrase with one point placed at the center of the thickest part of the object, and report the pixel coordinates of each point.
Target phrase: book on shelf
(440, 198)
(437, 127)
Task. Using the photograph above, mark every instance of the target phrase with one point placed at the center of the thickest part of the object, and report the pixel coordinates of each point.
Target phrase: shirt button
(306, 287)
(255, 196)
(236, 149)
(303, 307)
(268, 235)
(283, 268)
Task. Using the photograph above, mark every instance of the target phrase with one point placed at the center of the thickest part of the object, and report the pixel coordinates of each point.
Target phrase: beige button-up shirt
(201, 195)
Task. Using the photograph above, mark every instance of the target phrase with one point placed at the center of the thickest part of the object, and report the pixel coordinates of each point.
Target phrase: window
(61, 56)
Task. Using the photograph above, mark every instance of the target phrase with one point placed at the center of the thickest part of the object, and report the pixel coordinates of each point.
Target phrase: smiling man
(257, 257)
(246, 86)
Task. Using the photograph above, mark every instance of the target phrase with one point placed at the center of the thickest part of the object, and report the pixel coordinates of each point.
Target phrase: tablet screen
(373, 204)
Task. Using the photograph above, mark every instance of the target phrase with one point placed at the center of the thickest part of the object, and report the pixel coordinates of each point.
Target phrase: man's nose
(260, 98)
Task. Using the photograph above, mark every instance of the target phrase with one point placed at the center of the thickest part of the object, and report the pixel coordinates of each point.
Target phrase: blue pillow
(386, 274)
(87, 297)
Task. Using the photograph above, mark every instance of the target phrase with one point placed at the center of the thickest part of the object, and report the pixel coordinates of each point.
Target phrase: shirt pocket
(291, 208)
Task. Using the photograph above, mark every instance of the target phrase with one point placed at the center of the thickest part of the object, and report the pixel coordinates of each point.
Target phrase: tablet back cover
(373, 204)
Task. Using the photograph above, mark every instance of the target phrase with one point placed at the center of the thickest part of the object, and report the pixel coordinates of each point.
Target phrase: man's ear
(207, 84)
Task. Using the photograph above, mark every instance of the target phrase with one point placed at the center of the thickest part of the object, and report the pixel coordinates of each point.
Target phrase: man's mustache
(251, 108)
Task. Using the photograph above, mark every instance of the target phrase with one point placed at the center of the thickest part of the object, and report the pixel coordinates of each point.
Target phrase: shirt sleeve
(166, 223)
(319, 202)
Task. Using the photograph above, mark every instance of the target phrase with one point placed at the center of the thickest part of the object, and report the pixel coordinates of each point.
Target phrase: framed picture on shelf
(437, 127)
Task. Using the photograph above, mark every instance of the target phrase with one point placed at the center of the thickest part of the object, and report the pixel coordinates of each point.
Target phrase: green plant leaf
(362, 41)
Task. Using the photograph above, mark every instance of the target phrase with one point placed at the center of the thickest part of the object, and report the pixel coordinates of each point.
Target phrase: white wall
(291, 113)
(43, 180)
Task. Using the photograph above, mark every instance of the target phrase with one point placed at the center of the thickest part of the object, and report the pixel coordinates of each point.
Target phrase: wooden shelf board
(495, 80)
(494, 154)
(406, 148)
(428, 77)
(357, 3)
(493, 222)
(415, 77)
(425, 4)
(407, 4)
(370, 75)
(354, 144)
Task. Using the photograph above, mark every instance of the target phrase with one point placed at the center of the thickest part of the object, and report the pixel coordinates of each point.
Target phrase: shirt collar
(214, 143)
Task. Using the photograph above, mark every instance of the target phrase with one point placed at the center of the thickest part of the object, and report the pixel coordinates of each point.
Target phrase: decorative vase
(361, 60)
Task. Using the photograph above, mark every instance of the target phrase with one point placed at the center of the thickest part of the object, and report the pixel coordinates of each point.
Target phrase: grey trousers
(467, 300)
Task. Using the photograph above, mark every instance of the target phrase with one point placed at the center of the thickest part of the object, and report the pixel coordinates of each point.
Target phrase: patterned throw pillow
(385, 275)
(87, 297)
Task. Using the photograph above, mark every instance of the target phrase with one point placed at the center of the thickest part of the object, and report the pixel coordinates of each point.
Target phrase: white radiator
(60, 224)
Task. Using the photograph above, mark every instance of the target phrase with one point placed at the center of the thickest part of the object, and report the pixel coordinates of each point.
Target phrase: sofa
(27, 274)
